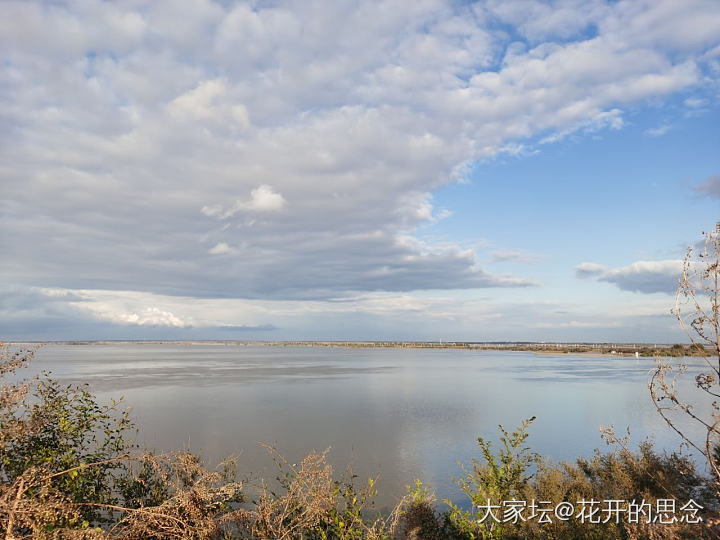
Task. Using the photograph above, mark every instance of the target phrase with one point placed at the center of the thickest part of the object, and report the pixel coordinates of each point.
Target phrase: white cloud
(323, 128)
(206, 104)
(118, 307)
(694, 102)
(658, 131)
(640, 276)
(587, 269)
(221, 248)
(517, 255)
(150, 316)
(99, 313)
(262, 199)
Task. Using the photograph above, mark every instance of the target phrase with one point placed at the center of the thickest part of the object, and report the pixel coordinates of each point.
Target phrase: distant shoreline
(594, 349)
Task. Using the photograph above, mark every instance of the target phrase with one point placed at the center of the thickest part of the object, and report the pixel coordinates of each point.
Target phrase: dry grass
(197, 504)
(312, 504)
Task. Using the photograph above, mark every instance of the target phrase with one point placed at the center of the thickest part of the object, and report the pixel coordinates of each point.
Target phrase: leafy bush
(517, 474)
(69, 470)
(58, 439)
(502, 477)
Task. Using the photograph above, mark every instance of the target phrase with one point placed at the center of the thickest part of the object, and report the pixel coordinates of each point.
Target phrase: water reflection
(399, 413)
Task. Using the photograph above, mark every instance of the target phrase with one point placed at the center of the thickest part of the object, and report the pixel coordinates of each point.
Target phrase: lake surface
(398, 414)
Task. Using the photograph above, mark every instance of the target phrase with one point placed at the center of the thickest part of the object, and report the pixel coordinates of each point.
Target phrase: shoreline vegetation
(647, 350)
(70, 469)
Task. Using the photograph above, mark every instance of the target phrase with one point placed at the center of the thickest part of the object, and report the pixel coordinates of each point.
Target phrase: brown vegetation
(69, 469)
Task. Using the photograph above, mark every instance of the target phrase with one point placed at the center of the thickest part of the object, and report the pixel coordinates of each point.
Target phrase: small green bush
(515, 473)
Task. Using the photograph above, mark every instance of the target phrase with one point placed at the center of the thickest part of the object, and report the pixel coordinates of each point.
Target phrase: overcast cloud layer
(285, 151)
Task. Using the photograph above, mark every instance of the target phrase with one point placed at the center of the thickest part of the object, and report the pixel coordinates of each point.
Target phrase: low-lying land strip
(620, 349)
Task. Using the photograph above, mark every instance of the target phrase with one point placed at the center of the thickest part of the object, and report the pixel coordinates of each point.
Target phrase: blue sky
(314, 170)
(576, 198)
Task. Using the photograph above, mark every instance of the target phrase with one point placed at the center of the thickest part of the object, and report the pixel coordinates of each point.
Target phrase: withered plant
(311, 503)
(697, 308)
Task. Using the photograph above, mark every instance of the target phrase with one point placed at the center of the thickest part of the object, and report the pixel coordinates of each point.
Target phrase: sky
(515, 170)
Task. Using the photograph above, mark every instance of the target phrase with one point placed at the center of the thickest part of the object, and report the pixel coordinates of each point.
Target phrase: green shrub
(54, 428)
(502, 477)
(516, 474)
(69, 470)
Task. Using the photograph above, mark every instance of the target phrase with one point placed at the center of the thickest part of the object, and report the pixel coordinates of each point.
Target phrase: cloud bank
(58, 314)
(641, 276)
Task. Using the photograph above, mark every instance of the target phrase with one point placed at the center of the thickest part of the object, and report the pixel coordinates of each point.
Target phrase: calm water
(393, 413)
